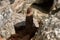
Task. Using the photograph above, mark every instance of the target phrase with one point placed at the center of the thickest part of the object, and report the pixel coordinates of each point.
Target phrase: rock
(14, 11)
(5, 14)
(50, 28)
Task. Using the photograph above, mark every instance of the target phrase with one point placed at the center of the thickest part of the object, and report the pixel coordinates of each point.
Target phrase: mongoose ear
(11, 1)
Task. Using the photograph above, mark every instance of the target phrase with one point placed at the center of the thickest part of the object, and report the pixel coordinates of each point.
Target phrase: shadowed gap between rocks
(44, 6)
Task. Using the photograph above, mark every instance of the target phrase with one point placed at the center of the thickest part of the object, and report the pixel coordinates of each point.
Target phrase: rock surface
(14, 11)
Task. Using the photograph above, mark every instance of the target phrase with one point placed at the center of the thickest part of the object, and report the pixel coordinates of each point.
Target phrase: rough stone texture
(14, 12)
(50, 30)
(10, 14)
(5, 14)
(37, 16)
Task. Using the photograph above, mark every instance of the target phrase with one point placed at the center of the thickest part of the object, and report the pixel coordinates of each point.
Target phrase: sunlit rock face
(50, 30)
(58, 4)
(5, 14)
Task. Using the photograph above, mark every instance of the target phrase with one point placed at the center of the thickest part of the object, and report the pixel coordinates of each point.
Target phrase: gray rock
(5, 15)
